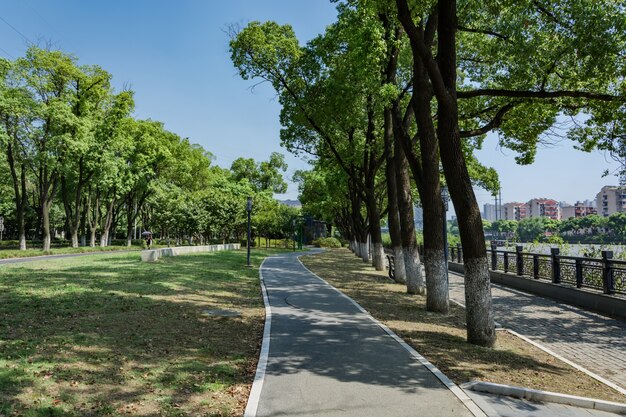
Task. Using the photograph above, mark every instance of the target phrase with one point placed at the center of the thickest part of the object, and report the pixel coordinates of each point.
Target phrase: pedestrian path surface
(328, 358)
(593, 341)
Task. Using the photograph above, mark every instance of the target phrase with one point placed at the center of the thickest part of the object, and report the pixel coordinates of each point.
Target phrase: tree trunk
(413, 266)
(45, 223)
(393, 220)
(378, 252)
(432, 203)
(479, 312)
(106, 226)
(442, 74)
(74, 234)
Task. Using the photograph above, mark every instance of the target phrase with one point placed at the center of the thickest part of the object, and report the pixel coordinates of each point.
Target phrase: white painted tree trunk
(479, 311)
(414, 271)
(378, 257)
(365, 253)
(400, 272)
(435, 266)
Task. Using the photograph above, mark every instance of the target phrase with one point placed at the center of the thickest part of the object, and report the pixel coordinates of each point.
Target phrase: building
(515, 211)
(544, 207)
(611, 199)
(580, 209)
(489, 212)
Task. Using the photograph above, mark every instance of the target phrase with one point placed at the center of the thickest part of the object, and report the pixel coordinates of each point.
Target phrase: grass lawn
(108, 335)
(441, 339)
(16, 253)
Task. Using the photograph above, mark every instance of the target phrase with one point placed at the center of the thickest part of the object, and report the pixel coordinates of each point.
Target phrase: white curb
(458, 392)
(259, 377)
(545, 396)
(552, 353)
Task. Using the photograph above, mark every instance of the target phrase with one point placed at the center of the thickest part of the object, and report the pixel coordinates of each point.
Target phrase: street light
(293, 222)
(445, 197)
(249, 210)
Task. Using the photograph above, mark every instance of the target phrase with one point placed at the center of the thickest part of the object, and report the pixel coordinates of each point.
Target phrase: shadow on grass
(90, 336)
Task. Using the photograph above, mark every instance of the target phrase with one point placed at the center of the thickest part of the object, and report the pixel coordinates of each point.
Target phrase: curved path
(328, 357)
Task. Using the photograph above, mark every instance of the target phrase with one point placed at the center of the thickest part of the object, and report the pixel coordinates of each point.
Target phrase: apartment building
(515, 211)
(489, 212)
(580, 209)
(544, 207)
(611, 199)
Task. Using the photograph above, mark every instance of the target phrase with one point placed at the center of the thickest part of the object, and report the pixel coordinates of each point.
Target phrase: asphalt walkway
(595, 342)
(327, 357)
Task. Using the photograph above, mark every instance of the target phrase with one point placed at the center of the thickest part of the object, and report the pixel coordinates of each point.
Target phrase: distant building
(515, 211)
(489, 212)
(611, 199)
(580, 209)
(590, 203)
(544, 207)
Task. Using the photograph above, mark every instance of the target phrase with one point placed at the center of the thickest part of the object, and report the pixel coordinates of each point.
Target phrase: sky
(174, 55)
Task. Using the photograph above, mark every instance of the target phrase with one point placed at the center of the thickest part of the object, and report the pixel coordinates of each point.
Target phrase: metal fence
(605, 274)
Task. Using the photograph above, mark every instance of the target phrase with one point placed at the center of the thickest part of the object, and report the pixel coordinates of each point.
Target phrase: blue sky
(174, 55)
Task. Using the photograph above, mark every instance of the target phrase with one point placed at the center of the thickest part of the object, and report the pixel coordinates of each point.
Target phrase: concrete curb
(545, 396)
(554, 354)
(259, 377)
(458, 392)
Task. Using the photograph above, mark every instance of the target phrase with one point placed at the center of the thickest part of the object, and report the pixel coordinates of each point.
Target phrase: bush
(327, 242)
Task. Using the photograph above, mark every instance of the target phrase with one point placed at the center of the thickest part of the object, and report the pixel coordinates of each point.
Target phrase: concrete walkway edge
(257, 385)
(545, 396)
(458, 392)
(259, 377)
(549, 351)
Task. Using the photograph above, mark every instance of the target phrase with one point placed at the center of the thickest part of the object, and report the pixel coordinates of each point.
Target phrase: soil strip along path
(592, 341)
(327, 357)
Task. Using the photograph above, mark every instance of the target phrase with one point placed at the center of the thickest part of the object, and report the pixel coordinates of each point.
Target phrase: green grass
(16, 253)
(108, 335)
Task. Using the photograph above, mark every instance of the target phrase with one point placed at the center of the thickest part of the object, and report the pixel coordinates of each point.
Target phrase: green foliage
(327, 242)
(93, 169)
(264, 176)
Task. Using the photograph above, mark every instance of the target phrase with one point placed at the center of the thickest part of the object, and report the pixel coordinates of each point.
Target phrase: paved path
(66, 255)
(595, 342)
(327, 358)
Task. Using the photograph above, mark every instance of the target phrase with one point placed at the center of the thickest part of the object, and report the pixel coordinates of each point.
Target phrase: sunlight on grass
(108, 335)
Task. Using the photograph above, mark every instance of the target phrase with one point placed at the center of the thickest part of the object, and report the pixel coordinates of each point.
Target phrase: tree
(264, 176)
(497, 46)
(271, 52)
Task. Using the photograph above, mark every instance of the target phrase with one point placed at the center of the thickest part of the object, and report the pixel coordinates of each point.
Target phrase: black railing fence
(605, 274)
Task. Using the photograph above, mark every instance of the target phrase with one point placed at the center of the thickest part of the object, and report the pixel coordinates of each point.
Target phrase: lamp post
(249, 210)
(445, 197)
(293, 222)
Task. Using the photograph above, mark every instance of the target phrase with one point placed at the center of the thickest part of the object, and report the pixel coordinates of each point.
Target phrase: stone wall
(153, 255)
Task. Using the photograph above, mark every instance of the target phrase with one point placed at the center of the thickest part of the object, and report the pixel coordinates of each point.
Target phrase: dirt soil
(442, 338)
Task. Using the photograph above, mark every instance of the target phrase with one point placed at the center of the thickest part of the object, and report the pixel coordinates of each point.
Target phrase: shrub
(327, 242)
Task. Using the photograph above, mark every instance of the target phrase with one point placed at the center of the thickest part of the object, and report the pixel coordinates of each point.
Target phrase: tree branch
(495, 92)
(493, 124)
(483, 31)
